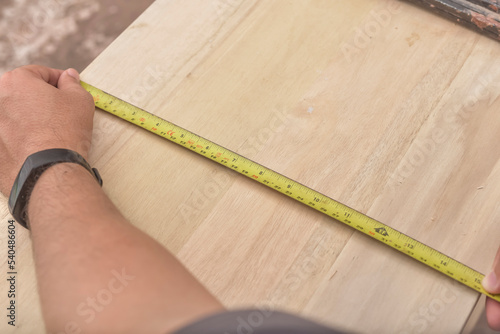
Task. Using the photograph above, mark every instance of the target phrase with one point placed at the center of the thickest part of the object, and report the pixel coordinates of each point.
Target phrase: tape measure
(290, 188)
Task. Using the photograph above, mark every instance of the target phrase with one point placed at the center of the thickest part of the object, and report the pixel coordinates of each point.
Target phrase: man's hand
(41, 108)
(492, 284)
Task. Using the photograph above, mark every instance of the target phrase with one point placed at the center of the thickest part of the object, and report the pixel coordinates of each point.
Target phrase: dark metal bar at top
(480, 15)
(493, 5)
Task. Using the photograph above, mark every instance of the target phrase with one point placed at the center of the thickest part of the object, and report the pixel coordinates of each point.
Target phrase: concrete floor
(71, 33)
(61, 33)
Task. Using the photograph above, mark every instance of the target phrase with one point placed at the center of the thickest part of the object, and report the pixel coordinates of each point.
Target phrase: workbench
(378, 104)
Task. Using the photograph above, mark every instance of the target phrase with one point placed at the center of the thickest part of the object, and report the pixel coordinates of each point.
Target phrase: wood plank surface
(377, 104)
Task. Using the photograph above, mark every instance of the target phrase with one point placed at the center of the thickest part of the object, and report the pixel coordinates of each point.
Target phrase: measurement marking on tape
(328, 206)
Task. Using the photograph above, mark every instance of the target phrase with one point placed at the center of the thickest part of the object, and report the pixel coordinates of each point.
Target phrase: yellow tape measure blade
(290, 188)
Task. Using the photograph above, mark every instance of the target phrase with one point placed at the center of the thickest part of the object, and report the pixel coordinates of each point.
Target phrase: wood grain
(374, 103)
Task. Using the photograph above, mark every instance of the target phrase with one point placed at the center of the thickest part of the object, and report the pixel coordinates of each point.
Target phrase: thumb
(69, 79)
(491, 282)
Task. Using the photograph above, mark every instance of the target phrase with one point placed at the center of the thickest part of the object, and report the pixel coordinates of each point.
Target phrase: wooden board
(378, 104)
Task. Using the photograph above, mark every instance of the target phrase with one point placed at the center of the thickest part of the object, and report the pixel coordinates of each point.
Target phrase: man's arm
(95, 271)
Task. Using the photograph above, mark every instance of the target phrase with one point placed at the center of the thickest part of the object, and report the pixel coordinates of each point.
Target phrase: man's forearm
(93, 266)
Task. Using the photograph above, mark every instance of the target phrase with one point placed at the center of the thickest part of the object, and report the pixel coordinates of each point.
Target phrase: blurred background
(61, 33)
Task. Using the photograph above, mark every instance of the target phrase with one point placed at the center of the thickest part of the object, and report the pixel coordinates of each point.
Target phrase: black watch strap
(31, 171)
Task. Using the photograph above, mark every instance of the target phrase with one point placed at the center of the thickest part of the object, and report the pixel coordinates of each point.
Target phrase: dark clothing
(255, 322)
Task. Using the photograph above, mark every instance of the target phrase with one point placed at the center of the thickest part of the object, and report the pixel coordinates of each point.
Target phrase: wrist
(56, 187)
(33, 168)
(60, 177)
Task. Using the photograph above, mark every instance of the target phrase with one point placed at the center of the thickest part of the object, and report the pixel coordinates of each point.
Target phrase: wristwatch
(31, 171)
